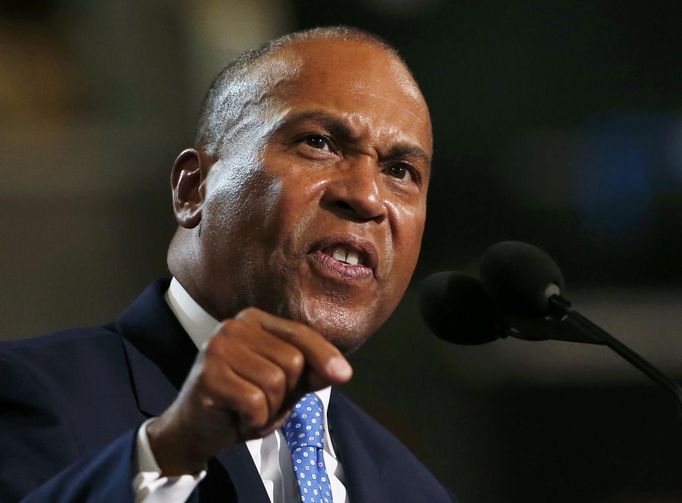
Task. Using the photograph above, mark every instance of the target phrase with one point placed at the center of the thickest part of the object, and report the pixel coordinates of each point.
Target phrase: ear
(188, 186)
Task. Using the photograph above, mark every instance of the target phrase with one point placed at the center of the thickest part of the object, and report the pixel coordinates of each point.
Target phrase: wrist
(173, 451)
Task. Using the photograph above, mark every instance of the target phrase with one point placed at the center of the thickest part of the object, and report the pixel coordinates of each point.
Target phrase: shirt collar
(200, 325)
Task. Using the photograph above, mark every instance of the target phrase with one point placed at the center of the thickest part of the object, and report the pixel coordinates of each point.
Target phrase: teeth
(339, 254)
(342, 254)
(352, 258)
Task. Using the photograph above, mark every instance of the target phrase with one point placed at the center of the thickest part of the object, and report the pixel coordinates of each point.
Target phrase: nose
(354, 192)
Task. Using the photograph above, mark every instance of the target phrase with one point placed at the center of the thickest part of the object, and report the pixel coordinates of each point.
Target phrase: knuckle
(254, 401)
(207, 378)
(232, 330)
(211, 348)
(207, 402)
(275, 380)
(248, 313)
(294, 363)
(230, 326)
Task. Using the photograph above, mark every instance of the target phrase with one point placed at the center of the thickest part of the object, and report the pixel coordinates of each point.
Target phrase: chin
(346, 318)
(345, 341)
(345, 327)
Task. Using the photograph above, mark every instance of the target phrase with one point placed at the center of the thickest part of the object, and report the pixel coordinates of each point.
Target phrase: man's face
(316, 211)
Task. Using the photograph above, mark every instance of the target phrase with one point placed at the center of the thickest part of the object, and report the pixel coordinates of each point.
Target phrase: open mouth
(347, 256)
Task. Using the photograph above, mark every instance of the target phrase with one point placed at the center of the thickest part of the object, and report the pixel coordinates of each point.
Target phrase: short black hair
(221, 109)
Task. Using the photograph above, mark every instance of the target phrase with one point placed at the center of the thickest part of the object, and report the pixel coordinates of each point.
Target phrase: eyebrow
(339, 128)
(406, 150)
(329, 121)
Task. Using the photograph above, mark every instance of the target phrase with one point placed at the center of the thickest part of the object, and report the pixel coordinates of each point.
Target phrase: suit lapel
(247, 483)
(159, 351)
(160, 355)
(363, 480)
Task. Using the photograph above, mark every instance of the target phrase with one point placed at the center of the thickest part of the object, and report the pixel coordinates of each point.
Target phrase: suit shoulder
(68, 363)
(48, 348)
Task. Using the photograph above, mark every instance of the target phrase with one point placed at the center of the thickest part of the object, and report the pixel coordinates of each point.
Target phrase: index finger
(320, 354)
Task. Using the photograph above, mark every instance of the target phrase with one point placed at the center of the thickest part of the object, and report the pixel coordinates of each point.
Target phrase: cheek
(240, 211)
(406, 248)
(295, 205)
(407, 228)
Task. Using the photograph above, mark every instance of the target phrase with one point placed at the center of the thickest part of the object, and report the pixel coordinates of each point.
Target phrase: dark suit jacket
(71, 402)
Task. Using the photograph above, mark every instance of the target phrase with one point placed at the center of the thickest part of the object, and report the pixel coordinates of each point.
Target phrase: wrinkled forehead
(356, 64)
(352, 74)
(324, 70)
(246, 104)
(261, 81)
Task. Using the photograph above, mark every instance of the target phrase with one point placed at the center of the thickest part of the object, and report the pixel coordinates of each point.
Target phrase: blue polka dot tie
(304, 431)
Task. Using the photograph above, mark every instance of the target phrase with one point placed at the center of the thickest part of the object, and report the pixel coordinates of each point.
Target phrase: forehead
(358, 80)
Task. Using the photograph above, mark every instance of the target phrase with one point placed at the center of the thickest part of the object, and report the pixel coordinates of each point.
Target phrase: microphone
(457, 309)
(512, 300)
(520, 277)
(519, 295)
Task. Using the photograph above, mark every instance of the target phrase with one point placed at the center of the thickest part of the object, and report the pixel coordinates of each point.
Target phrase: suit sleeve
(41, 460)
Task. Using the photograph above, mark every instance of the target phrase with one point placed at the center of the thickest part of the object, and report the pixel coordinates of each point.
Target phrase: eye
(399, 170)
(318, 142)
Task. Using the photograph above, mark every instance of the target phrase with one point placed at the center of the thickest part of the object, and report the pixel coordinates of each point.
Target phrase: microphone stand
(560, 309)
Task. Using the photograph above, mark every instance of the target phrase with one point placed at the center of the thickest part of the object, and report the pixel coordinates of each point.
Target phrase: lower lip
(336, 269)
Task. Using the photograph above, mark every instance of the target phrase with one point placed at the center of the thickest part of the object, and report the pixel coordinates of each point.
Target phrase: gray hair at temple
(232, 90)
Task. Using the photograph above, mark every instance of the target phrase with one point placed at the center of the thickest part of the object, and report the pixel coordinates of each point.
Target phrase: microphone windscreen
(457, 308)
(517, 276)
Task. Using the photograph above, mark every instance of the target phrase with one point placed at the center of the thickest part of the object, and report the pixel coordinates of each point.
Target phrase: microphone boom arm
(562, 307)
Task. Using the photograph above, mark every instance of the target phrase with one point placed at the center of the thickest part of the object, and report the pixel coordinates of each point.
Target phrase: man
(300, 211)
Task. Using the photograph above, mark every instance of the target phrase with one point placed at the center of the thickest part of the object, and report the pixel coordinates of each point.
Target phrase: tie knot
(305, 426)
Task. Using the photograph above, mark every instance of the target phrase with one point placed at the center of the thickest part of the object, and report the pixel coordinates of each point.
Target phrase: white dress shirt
(270, 454)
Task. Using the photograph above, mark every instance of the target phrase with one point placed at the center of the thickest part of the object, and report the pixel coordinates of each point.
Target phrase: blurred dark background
(558, 123)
